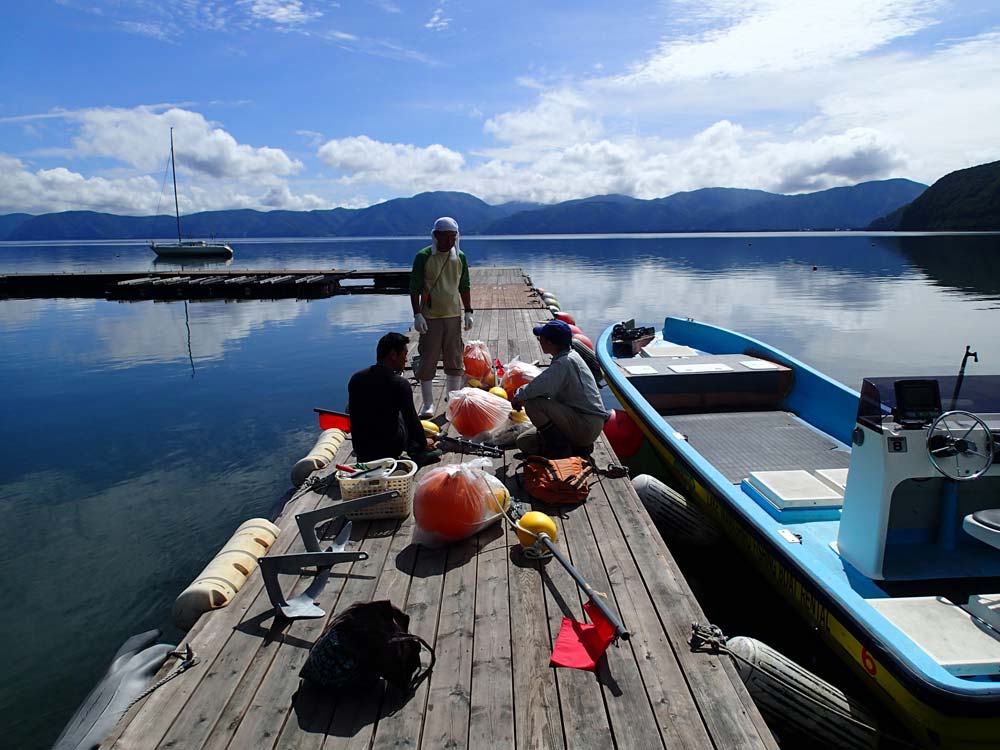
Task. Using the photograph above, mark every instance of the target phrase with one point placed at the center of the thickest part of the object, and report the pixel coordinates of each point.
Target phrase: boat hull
(208, 250)
(936, 717)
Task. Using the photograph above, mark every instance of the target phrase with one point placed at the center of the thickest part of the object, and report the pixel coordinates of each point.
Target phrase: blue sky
(302, 104)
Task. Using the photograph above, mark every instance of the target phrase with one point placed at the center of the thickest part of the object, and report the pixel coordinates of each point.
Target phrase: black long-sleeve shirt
(384, 422)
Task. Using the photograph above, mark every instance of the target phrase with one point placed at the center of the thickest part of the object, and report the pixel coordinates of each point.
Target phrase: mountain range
(705, 210)
(967, 200)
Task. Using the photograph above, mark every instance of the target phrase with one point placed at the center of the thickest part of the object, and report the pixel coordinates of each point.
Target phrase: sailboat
(187, 248)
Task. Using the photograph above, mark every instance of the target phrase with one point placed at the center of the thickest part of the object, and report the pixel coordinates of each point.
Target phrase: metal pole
(173, 171)
(597, 599)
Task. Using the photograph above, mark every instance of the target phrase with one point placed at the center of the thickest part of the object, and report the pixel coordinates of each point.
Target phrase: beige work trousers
(443, 340)
(580, 430)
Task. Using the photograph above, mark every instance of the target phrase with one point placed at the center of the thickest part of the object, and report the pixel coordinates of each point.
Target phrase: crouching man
(384, 421)
(563, 402)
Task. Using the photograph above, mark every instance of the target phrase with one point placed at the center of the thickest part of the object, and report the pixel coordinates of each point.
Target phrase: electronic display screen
(917, 400)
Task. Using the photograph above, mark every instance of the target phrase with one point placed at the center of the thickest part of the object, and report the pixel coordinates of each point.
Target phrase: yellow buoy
(218, 583)
(430, 429)
(533, 523)
(498, 391)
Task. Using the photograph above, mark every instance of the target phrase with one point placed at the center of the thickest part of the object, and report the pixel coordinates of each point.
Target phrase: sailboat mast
(173, 171)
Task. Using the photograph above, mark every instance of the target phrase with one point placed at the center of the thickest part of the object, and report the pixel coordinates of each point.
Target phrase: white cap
(446, 224)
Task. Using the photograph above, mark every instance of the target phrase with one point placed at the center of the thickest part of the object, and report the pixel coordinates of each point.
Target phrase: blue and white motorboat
(876, 514)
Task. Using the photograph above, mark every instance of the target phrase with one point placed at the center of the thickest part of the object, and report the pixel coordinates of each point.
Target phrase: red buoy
(580, 337)
(566, 318)
(574, 329)
(623, 434)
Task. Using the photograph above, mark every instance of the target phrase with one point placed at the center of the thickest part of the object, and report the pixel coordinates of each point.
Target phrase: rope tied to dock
(187, 662)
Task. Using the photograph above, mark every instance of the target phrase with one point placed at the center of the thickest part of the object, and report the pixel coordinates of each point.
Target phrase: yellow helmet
(474, 383)
(518, 417)
(498, 391)
(533, 523)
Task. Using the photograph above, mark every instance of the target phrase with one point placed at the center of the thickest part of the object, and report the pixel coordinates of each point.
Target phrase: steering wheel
(958, 449)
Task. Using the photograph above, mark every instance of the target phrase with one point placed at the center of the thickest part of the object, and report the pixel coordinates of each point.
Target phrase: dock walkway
(491, 615)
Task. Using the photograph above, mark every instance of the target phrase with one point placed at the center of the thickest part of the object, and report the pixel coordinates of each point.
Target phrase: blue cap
(555, 331)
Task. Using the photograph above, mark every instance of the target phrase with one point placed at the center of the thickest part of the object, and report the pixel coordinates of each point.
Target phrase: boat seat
(709, 382)
(984, 525)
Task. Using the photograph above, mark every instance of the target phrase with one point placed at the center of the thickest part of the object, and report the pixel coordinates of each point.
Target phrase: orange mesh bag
(456, 501)
(477, 360)
(516, 374)
(472, 411)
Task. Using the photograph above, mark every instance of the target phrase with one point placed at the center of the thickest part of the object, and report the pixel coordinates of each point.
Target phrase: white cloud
(395, 164)
(760, 36)
(554, 121)
(280, 196)
(281, 12)
(60, 189)
(438, 21)
(139, 137)
(388, 6)
(163, 32)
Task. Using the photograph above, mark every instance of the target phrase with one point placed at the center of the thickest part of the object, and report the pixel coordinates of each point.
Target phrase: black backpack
(366, 642)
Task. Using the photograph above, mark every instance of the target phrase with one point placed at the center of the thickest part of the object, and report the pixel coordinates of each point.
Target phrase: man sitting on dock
(439, 290)
(384, 421)
(563, 402)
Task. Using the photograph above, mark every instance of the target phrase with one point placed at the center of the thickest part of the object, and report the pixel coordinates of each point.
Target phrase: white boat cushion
(795, 489)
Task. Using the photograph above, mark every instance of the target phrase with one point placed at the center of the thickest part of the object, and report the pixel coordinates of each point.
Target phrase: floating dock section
(206, 285)
(491, 615)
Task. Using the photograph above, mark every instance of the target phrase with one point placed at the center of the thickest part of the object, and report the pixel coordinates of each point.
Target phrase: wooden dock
(491, 615)
(206, 284)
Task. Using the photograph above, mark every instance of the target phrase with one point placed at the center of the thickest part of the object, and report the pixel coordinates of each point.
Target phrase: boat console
(923, 491)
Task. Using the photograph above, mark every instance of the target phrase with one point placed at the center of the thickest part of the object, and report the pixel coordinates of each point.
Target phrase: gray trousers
(580, 430)
(443, 340)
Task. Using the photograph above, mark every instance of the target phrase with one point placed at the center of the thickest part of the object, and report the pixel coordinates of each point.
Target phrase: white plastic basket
(400, 477)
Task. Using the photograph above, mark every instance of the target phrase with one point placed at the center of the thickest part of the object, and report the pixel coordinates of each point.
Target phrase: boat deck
(737, 443)
(491, 615)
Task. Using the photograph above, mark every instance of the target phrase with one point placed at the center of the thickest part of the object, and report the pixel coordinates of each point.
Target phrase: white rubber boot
(454, 383)
(427, 395)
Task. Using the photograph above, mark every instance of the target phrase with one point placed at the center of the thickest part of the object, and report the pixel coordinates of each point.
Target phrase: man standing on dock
(439, 291)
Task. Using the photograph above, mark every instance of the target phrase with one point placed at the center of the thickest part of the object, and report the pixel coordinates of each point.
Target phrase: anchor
(304, 606)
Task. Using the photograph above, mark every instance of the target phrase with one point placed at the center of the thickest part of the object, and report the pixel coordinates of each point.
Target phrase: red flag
(581, 646)
(330, 420)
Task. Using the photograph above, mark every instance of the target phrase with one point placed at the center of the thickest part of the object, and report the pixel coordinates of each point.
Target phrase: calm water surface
(136, 437)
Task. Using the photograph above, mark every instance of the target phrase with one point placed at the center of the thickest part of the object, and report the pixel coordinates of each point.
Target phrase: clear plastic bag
(516, 374)
(472, 411)
(504, 436)
(456, 501)
(477, 360)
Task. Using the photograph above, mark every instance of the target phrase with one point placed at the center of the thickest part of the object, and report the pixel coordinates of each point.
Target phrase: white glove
(419, 323)
(468, 320)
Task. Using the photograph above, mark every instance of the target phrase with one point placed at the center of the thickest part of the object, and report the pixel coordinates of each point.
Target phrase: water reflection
(133, 473)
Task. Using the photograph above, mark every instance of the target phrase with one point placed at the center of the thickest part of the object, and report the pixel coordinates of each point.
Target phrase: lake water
(137, 437)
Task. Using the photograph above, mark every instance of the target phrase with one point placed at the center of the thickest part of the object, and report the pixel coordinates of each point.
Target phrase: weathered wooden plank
(726, 708)
(659, 681)
(446, 722)
(491, 720)
(355, 716)
(307, 727)
(584, 714)
(402, 728)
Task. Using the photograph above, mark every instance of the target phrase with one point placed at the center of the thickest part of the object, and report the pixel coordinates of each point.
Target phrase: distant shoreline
(507, 237)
